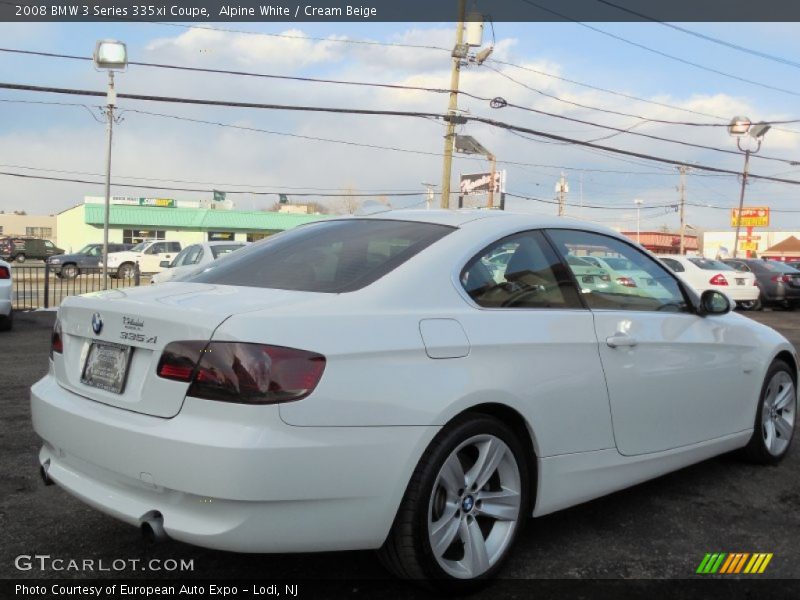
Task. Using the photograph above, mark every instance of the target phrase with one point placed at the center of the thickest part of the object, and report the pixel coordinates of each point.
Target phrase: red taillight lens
(781, 279)
(718, 279)
(626, 281)
(5, 273)
(240, 372)
(56, 342)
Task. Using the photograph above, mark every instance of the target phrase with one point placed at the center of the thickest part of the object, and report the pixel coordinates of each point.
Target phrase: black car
(779, 283)
(21, 248)
(69, 266)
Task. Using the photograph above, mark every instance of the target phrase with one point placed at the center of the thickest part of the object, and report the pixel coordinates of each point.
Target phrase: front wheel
(774, 426)
(20, 258)
(69, 271)
(126, 271)
(464, 506)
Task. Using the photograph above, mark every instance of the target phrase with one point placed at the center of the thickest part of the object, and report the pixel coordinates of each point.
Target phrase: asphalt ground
(660, 529)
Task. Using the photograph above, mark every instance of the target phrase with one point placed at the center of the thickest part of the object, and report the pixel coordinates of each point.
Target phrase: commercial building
(761, 244)
(132, 220)
(660, 242)
(28, 225)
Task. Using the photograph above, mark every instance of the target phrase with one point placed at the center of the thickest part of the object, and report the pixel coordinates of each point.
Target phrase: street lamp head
(110, 55)
(759, 130)
(739, 126)
(638, 202)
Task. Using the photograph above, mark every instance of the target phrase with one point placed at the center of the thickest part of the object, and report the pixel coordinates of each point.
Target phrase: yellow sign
(752, 216)
(748, 246)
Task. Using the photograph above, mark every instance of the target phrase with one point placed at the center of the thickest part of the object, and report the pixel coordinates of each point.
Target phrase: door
(674, 378)
(532, 336)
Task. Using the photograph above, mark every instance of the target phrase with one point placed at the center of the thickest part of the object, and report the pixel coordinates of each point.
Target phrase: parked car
(69, 266)
(365, 383)
(6, 285)
(148, 254)
(21, 248)
(707, 274)
(778, 282)
(625, 273)
(193, 257)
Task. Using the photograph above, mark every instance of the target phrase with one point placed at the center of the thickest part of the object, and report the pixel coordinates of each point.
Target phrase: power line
(708, 38)
(358, 111)
(664, 54)
(209, 191)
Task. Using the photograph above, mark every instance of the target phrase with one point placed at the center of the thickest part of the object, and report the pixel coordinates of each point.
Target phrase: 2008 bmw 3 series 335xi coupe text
(417, 382)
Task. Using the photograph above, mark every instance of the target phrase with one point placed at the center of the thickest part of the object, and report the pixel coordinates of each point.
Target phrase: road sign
(748, 246)
(752, 216)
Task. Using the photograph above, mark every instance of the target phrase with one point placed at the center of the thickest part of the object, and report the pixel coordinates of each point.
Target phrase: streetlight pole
(562, 188)
(111, 100)
(447, 167)
(109, 55)
(683, 170)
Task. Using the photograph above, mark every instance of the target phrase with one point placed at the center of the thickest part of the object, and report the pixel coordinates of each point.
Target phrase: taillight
(626, 281)
(56, 342)
(781, 279)
(5, 273)
(718, 279)
(241, 372)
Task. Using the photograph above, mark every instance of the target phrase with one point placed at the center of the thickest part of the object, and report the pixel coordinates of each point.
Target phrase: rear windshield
(711, 265)
(221, 250)
(778, 267)
(333, 256)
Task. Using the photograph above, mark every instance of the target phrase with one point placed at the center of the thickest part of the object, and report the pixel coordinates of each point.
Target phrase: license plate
(739, 281)
(107, 366)
(588, 279)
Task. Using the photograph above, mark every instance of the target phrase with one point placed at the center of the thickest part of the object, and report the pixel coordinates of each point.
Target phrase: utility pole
(562, 188)
(683, 171)
(459, 52)
(745, 172)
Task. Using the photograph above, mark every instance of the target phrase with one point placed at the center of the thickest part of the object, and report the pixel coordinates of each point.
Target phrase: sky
(68, 141)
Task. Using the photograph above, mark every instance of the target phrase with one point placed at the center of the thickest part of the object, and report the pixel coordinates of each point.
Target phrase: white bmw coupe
(378, 382)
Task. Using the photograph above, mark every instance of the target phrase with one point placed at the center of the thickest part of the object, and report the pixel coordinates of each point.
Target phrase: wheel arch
(790, 359)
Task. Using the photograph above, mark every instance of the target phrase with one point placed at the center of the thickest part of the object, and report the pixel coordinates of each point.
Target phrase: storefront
(184, 222)
(660, 242)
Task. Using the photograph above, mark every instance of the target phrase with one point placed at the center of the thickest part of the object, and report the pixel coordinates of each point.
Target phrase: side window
(49, 244)
(172, 247)
(739, 266)
(520, 271)
(180, 259)
(636, 282)
(674, 265)
(153, 249)
(194, 256)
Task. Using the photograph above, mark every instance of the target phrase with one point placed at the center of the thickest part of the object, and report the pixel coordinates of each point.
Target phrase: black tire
(6, 322)
(756, 450)
(751, 304)
(126, 271)
(20, 258)
(407, 552)
(69, 271)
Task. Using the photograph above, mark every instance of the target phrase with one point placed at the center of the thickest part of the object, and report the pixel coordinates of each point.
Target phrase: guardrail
(39, 286)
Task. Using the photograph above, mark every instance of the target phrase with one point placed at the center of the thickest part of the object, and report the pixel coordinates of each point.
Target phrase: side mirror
(164, 264)
(713, 302)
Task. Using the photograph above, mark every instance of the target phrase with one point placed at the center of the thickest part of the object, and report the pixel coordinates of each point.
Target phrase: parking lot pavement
(660, 529)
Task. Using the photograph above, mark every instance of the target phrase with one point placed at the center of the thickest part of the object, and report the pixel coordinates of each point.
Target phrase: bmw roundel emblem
(97, 323)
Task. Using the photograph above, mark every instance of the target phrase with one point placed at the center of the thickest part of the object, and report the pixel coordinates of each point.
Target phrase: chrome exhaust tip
(43, 468)
(152, 527)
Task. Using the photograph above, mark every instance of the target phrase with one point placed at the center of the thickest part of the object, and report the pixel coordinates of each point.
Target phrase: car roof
(462, 216)
(224, 243)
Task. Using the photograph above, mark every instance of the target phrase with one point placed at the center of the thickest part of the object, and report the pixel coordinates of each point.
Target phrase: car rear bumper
(743, 294)
(5, 306)
(228, 476)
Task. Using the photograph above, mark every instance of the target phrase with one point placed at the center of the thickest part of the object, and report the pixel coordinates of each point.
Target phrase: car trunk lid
(113, 340)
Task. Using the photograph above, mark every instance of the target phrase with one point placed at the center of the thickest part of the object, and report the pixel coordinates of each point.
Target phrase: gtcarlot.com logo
(734, 563)
(46, 562)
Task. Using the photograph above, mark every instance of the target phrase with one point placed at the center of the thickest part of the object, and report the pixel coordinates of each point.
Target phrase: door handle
(621, 339)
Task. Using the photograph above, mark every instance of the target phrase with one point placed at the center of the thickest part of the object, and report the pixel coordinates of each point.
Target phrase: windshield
(711, 265)
(139, 247)
(91, 250)
(334, 256)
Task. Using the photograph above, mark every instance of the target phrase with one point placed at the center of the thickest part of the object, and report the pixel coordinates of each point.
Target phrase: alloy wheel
(778, 413)
(474, 506)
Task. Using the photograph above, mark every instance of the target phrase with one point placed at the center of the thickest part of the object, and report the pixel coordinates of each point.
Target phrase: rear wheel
(20, 258)
(751, 304)
(69, 271)
(463, 508)
(774, 427)
(126, 271)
